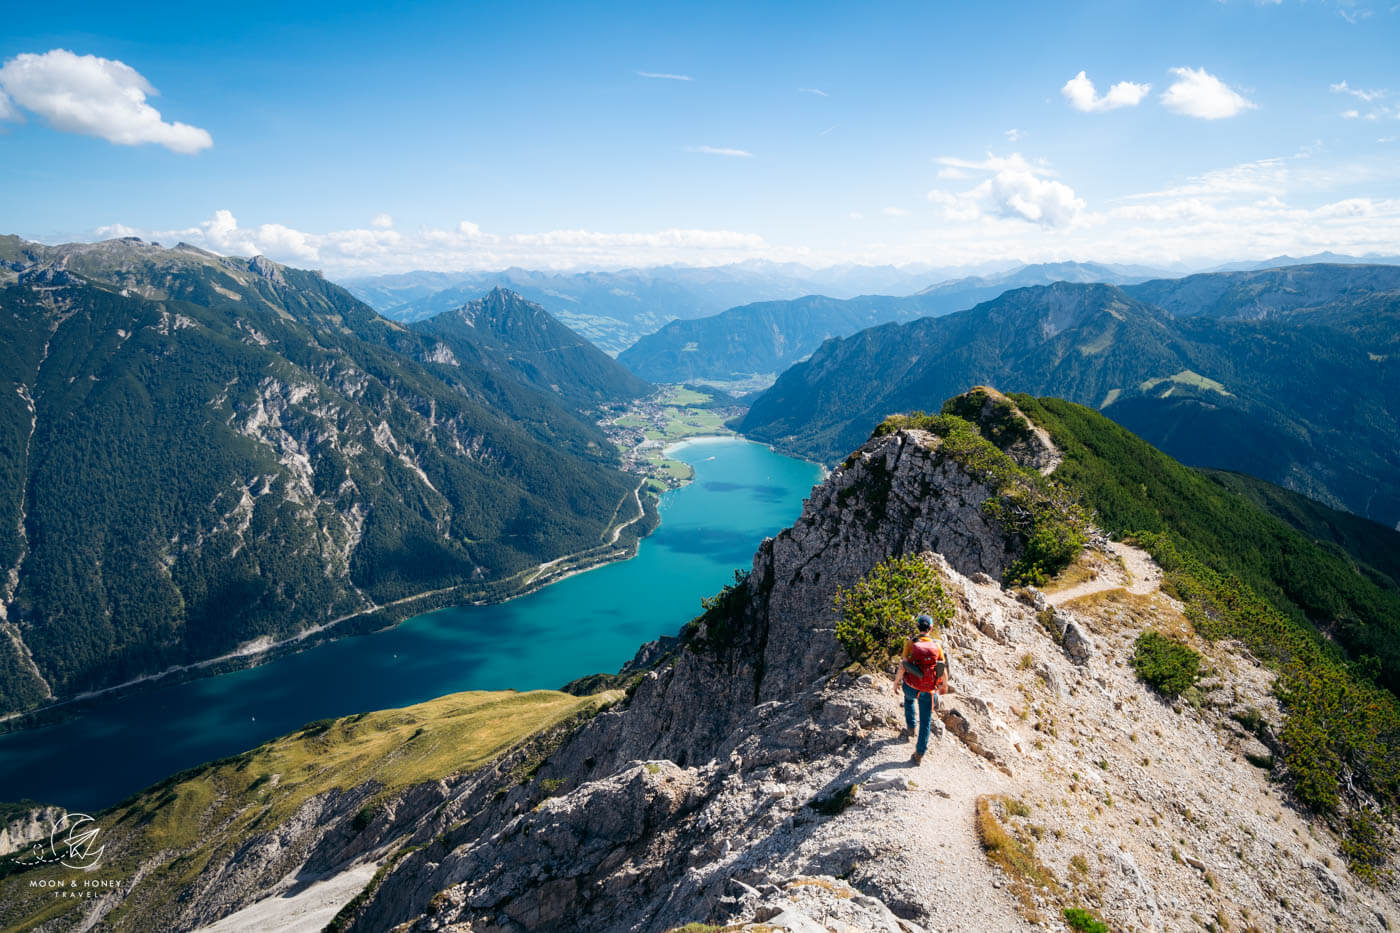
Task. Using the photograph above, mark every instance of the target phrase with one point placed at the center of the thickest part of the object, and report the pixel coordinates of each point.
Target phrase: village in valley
(646, 427)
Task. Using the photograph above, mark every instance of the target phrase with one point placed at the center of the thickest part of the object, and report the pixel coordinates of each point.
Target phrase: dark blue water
(591, 622)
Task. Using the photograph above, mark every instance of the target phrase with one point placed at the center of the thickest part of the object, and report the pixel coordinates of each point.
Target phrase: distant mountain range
(767, 337)
(1303, 397)
(1323, 257)
(614, 309)
(198, 451)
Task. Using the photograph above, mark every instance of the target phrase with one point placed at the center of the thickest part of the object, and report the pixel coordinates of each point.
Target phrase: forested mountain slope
(198, 451)
(1250, 295)
(1301, 399)
(540, 351)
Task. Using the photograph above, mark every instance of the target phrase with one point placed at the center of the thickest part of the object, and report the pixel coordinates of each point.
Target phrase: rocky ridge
(755, 778)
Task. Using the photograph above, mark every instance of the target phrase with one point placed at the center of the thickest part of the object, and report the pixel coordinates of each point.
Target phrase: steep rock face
(25, 829)
(900, 494)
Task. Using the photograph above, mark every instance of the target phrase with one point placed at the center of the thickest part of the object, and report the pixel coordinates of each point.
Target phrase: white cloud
(992, 163)
(1354, 16)
(984, 224)
(93, 96)
(7, 108)
(1082, 95)
(813, 90)
(1012, 135)
(1376, 111)
(1016, 190)
(721, 151)
(661, 75)
(1367, 96)
(894, 212)
(382, 221)
(1198, 93)
(1263, 176)
(953, 172)
(464, 246)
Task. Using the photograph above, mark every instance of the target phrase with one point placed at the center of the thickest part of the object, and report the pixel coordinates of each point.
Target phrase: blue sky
(368, 138)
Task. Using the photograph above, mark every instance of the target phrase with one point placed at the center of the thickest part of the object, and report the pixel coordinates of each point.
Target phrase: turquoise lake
(590, 622)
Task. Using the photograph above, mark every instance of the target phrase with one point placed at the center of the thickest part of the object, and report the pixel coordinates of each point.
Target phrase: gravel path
(1138, 574)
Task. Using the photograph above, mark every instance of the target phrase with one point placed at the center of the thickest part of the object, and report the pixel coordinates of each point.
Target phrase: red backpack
(927, 658)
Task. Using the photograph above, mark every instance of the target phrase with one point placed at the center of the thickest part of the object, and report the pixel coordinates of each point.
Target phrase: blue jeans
(925, 715)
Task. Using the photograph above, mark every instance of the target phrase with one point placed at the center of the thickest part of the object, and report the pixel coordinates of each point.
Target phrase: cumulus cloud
(382, 221)
(463, 246)
(93, 96)
(1198, 93)
(663, 76)
(1012, 135)
(1016, 190)
(1082, 95)
(721, 151)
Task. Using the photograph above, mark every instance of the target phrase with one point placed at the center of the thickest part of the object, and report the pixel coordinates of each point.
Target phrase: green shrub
(1165, 664)
(1364, 846)
(363, 817)
(722, 618)
(1077, 918)
(877, 613)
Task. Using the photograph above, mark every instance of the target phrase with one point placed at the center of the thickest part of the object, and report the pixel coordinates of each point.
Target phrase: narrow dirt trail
(1138, 574)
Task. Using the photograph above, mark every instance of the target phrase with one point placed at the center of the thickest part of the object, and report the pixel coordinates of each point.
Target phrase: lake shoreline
(257, 653)
(105, 748)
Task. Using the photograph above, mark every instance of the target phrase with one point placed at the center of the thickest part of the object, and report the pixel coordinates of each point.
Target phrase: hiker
(923, 675)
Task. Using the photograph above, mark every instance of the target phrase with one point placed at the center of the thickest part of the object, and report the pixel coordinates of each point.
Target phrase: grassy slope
(1245, 574)
(192, 817)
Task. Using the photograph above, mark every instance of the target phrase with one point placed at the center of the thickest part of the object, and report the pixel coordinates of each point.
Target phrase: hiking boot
(906, 734)
(917, 759)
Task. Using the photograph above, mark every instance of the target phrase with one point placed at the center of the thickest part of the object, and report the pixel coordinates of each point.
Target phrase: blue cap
(925, 622)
